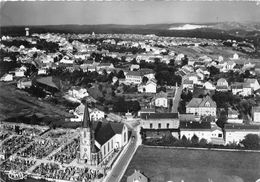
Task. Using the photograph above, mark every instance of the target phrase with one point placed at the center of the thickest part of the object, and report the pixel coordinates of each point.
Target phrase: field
(161, 165)
(17, 105)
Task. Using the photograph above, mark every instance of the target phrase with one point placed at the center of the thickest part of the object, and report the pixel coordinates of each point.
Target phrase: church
(98, 140)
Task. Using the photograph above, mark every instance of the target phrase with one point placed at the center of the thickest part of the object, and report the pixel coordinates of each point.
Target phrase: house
(254, 84)
(209, 85)
(161, 99)
(42, 71)
(256, 114)
(149, 87)
(134, 77)
(105, 66)
(19, 72)
(24, 83)
(149, 73)
(134, 67)
(146, 110)
(188, 84)
(203, 130)
(202, 106)
(137, 176)
(160, 121)
(222, 85)
(230, 65)
(235, 133)
(7, 77)
(96, 114)
(98, 140)
(78, 93)
(233, 116)
(243, 89)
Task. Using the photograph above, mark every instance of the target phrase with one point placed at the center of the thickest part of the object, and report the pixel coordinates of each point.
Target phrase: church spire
(86, 119)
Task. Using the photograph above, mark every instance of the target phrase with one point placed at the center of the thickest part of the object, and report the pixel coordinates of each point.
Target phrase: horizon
(24, 13)
(192, 23)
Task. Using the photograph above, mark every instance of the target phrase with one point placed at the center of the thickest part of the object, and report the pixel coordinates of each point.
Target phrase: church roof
(104, 131)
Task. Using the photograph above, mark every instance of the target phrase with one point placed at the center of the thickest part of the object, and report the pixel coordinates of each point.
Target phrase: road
(120, 167)
(176, 100)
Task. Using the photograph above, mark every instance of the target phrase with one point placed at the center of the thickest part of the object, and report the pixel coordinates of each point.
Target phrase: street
(120, 167)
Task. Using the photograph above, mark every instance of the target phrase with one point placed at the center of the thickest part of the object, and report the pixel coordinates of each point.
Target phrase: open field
(161, 165)
(16, 103)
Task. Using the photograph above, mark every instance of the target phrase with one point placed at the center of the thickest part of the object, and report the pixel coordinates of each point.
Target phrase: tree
(213, 71)
(120, 74)
(145, 79)
(222, 120)
(194, 139)
(203, 142)
(251, 141)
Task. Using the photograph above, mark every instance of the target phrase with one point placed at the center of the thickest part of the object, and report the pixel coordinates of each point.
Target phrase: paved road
(119, 169)
(177, 100)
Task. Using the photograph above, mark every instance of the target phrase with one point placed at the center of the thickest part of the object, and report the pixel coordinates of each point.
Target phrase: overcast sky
(126, 12)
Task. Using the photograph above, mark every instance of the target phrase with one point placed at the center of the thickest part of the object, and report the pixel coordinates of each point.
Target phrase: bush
(251, 141)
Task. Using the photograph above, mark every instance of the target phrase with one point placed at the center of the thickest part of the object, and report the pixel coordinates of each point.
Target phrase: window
(85, 134)
(112, 144)
(168, 125)
(108, 147)
(219, 135)
(159, 125)
(124, 136)
(104, 150)
(151, 125)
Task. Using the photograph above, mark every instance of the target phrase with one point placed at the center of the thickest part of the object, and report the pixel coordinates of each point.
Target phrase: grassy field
(162, 165)
(15, 103)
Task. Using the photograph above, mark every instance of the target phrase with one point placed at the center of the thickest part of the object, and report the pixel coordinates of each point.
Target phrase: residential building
(243, 89)
(256, 114)
(254, 84)
(222, 85)
(7, 77)
(157, 121)
(149, 87)
(134, 77)
(137, 176)
(203, 130)
(202, 106)
(235, 133)
(209, 85)
(161, 99)
(24, 83)
(233, 117)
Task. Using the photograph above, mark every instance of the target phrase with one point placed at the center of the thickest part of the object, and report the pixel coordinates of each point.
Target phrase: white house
(78, 93)
(233, 117)
(161, 99)
(96, 114)
(235, 133)
(7, 77)
(209, 85)
(149, 87)
(256, 114)
(19, 72)
(160, 120)
(42, 71)
(203, 130)
(254, 84)
(243, 89)
(202, 106)
(134, 77)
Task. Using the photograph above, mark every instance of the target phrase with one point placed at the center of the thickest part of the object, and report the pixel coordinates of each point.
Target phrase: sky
(125, 12)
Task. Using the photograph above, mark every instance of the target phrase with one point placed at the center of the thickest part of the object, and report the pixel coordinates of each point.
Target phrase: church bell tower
(86, 138)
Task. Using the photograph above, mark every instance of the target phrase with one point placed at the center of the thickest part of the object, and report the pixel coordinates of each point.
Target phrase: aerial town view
(132, 91)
